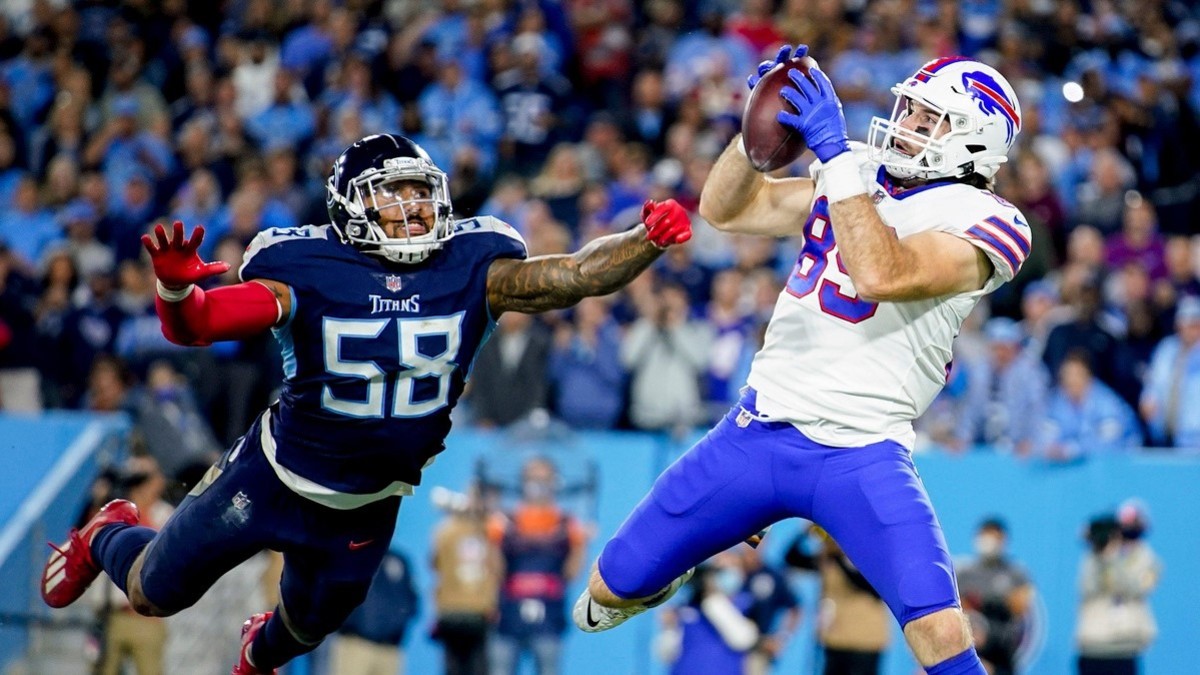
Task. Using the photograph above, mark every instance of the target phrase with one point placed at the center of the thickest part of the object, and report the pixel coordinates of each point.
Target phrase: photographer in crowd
(1118, 573)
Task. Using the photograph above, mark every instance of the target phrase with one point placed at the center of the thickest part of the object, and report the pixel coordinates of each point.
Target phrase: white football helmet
(980, 106)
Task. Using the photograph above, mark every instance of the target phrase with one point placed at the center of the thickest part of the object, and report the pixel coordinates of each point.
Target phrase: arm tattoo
(557, 281)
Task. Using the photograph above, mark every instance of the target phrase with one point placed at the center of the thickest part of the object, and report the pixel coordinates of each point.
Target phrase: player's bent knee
(137, 597)
(938, 636)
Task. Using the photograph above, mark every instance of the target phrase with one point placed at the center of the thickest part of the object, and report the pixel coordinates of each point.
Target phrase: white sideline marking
(32, 508)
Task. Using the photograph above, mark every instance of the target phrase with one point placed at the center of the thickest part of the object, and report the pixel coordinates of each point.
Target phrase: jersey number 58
(416, 365)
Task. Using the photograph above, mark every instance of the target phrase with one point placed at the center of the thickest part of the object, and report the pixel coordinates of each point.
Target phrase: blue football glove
(785, 53)
(818, 115)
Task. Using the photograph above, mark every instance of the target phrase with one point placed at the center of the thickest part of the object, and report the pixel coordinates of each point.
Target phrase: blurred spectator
(109, 385)
(26, 227)
(29, 77)
(585, 367)
(1004, 393)
(129, 636)
(128, 93)
(515, 359)
(733, 329)
(10, 172)
(1183, 276)
(78, 220)
(1118, 572)
(536, 105)
(1085, 417)
(125, 147)
(708, 635)
(171, 425)
(1039, 200)
(1172, 394)
(20, 381)
(542, 548)
(772, 606)
(370, 641)
(1138, 241)
(560, 184)
(199, 98)
(679, 266)
(665, 353)
(358, 89)
(854, 626)
(1085, 332)
(457, 111)
(1040, 311)
(254, 75)
(650, 114)
(996, 594)
(287, 120)
(61, 181)
(467, 565)
(604, 45)
(1102, 197)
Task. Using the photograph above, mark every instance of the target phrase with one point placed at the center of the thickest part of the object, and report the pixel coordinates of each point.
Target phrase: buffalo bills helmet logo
(992, 100)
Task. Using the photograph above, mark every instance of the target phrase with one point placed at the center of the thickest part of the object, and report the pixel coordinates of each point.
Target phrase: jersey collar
(896, 192)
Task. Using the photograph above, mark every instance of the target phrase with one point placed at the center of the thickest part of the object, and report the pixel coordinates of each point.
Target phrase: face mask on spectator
(989, 546)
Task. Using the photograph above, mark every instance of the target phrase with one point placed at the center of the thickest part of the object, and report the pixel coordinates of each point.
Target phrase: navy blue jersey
(375, 354)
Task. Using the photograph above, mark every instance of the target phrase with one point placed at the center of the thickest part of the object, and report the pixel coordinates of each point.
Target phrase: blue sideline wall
(1045, 506)
(47, 463)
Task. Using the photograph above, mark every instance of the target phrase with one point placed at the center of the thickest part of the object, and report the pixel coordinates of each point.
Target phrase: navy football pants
(244, 509)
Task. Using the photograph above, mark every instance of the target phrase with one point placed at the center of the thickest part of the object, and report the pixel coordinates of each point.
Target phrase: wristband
(172, 295)
(843, 178)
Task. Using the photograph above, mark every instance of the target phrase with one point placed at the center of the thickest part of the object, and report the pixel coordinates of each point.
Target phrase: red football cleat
(249, 629)
(70, 569)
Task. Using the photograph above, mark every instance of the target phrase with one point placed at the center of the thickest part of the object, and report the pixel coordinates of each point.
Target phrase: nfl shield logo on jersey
(392, 282)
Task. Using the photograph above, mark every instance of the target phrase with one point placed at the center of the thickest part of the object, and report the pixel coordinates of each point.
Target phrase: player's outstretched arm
(737, 198)
(885, 268)
(601, 267)
(194, 317)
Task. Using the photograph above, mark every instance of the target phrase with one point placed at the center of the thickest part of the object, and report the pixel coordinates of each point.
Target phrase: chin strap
(228, 313)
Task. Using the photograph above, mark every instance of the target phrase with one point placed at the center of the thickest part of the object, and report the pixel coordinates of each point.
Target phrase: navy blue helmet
(364, 181)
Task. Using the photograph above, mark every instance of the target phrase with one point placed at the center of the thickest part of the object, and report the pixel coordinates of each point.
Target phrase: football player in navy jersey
(379, 315)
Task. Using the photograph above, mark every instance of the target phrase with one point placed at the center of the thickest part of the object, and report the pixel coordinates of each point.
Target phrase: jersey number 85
(820, 267)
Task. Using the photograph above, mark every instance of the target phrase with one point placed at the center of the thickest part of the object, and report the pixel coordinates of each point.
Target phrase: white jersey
(847, 372)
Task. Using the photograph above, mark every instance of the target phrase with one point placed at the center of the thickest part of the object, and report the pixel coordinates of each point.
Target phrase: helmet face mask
(973, 103)
(378, 174)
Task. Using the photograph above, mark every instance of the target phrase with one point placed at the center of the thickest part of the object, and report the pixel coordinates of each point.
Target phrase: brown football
(769, 144)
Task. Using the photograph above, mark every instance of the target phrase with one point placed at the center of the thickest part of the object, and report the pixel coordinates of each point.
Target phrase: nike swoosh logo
(592, 623)
(355, 545)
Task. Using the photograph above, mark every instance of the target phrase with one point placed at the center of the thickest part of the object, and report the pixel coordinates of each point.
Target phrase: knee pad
(625, 572)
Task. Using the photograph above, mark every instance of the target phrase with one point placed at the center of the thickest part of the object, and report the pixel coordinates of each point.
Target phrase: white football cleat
(592, 617)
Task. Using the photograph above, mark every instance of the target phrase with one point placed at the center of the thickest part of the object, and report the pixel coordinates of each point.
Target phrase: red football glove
(176, 263)
(666, 222)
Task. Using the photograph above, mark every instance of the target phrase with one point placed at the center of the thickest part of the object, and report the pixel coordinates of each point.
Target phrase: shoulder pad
(267, 252)
(483, 224)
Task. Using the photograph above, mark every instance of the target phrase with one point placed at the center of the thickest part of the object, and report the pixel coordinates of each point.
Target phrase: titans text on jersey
(374, 359)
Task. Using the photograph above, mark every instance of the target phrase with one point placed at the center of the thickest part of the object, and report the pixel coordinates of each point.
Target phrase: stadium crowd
(561, 117)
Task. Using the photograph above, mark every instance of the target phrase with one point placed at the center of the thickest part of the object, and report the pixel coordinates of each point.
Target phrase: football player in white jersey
(902, 237)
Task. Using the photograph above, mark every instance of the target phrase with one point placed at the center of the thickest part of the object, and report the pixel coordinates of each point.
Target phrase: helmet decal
(991, 99)
(930, 69)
